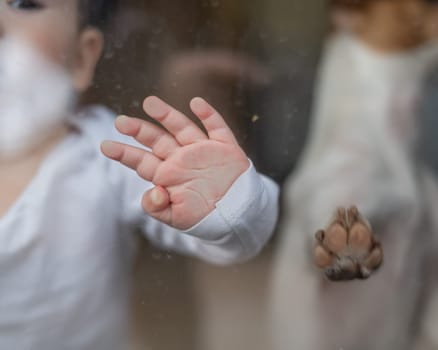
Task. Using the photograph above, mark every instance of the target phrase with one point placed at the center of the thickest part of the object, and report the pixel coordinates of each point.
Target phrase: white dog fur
(361, 151)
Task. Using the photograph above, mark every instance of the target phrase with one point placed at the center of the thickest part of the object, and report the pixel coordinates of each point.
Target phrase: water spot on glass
(263, 35)
(215, 3)
(109, 54)
(152, 45)
(158, 29)
(156, 256)
(283, 39)
(118, 44)
(238, 103)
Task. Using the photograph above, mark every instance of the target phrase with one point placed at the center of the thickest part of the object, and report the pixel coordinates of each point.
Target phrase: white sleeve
(235, 231)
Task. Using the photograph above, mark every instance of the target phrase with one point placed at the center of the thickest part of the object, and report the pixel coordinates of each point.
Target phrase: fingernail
(122, 121)
(157, 197)
(109, 148)
(201, 107)
(155, 107)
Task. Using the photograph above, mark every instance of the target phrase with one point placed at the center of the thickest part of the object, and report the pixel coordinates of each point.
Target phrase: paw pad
(347, 248)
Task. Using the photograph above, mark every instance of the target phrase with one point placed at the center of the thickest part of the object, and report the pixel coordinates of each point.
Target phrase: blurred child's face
(45, 61)
(51, 27)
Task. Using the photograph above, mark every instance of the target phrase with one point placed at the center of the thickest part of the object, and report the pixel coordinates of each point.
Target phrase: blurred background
(256, 61)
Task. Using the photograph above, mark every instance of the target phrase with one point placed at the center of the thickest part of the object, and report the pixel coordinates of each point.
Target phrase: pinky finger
(143, 162)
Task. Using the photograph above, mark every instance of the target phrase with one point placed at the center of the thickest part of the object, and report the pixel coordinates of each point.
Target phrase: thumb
(155, 200)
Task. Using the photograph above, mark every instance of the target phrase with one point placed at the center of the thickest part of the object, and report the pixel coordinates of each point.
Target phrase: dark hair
(96, 13)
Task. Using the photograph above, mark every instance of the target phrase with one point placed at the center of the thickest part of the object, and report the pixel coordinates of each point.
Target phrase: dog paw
(347, 249)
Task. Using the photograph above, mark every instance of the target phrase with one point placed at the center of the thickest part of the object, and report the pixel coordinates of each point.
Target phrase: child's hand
(191, 171)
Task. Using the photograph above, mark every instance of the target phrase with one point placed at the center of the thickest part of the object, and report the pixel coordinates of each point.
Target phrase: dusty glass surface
(255, 61)
(336, 101)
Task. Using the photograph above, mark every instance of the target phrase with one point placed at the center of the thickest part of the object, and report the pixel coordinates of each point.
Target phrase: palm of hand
(191, 171)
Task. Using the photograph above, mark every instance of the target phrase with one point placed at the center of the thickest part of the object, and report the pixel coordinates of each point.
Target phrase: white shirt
(66, 245)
